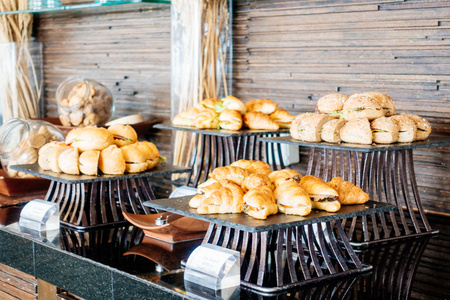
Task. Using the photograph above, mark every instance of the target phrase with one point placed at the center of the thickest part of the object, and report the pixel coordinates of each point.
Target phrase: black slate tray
(434, 140)
(34, 169)
(221, 132)
(244, 222)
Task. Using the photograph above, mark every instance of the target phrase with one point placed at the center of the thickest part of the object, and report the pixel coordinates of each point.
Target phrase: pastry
(357, 131)
(68, 161)
(423, 127)
(229, 198)
(331, 104)
(348, 192)
(230, 173)
(407, 128)
(186, 118)
(264, 106)
(135, 159)
(254, 166)
(386, 102)
(123, 134)
(323, 196)
(111, 161)
(209, 103)
(284, 175)
(90, 138)
(230, 120)
(384, 130)
(255, 181)
(89, 162)
(282, 118)
(259, 120)
(260, 203)
(292, 199)
(362, 106)
(310, 127)
(233, 103)
(331, 131)
(207, 118)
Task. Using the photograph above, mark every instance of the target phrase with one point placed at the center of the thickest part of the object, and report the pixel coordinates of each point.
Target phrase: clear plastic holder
(39, 217)
(213, 267)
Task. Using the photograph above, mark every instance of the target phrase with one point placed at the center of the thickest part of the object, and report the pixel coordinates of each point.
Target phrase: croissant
(210, 103)
(186, 118)
(265, 106)
(197, 200)
(254, 166)
(324, 197)
(256, 180)
(207, 118)
(227, 199)
(292, 199)
(260, 203)
(231, 102)
(348, 192)
(258, 120)
(230, 120)
(282, 176)
(282, 118)
(230, 173)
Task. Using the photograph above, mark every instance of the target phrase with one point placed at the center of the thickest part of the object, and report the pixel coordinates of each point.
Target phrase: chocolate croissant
(230, 173)
(259, 120)
(348, 192)
(254, 166)
(260, 203)
(324, 197)
(292, 199)
(284, 175)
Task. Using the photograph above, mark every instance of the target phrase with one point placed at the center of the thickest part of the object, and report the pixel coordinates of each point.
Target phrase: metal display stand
(386, 173)
(283, 251)
(94, 201)
(218, 147)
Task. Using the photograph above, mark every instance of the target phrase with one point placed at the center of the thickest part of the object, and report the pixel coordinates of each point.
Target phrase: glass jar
(20, 141)
(83, 102)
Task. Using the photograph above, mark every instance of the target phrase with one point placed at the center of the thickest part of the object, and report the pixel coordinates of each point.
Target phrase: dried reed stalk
(19, 89)
(201, 30)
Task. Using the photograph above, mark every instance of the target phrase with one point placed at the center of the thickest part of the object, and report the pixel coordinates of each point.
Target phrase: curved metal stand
(388, 176)
(276, 260)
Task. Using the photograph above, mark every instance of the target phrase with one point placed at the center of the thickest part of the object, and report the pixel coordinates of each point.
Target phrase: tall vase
(21, 80)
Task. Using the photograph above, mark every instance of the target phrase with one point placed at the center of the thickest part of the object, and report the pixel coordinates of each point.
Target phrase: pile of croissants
(363, 118)
(249, 186)
(91, 150)
(231, 113)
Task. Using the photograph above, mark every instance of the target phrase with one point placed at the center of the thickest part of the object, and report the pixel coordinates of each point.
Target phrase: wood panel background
(296, 51)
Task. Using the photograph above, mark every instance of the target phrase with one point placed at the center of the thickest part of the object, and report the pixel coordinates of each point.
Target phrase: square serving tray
(244, 222)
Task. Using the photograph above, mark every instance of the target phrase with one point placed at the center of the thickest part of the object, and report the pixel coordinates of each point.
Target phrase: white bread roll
(90, 138)
(362, 106)
(407, 128)
(111, 161)
(123, 134)
(68, 161)
(135, 158)
(310, 127)
(423, 127)
(89, 162)
(386, 102)
(331, 131)
(384, 130)
(46, 154)
(357, 131)
(331, 104)
(295, 133)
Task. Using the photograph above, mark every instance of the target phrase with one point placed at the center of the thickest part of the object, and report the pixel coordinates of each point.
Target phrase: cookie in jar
(83, 102)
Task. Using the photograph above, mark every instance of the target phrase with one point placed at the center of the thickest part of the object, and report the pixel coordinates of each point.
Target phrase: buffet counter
(121, 263)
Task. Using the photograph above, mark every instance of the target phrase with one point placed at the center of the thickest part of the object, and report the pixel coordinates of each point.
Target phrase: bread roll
(295, 133)
(357, 131)
(207, 118)
(331, 104)
(68, 161)
(111, 161)
(423, 127)
(407, 128)
(348, 192)
(45, 154)
(186, 118)
(362, 106)
(254, 166)
(292, 199)
(151, 152)
(135, 159)
(233, 103)
(260, 203)
(259, 120)
(264, 106)
(230, 120)
(384, 130)
(90, 138)
(282, 118)
(331, 131)
(386, 102)
(123, 134)
(89, 162)
(281, 176)
(310, 127)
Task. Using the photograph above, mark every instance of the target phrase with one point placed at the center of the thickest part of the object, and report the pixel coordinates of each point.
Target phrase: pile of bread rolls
(364, 118)
(250, 186)
(231, 113)
(91, 150)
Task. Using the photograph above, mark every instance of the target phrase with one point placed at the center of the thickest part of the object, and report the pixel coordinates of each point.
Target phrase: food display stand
(219, 147)
(93, 201)
(386, 173)
(283, 251)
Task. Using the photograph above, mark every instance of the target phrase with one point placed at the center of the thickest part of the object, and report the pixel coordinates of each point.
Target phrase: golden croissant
(348, 192)
(230, 173)
(292, 199)
(324, 197)
(281, 176)
(254, 166)
(260, 203)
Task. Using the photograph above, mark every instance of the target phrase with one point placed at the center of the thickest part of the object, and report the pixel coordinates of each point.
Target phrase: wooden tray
(11, 186)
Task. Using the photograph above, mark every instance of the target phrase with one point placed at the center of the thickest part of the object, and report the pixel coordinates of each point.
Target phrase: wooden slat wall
(296, 51)
(16, 285)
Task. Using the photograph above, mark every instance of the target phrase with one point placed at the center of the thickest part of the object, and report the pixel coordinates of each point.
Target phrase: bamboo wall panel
(294, 52)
